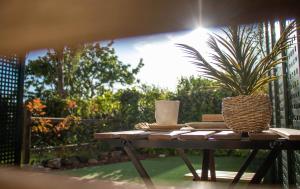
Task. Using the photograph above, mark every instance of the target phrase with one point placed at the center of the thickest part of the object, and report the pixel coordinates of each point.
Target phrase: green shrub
(121, 110)
(198, 96)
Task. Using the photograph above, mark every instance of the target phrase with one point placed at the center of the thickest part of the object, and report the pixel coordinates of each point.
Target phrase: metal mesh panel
(10, 100)
(292, 76)
(294, 90)
(297, 169)
(285, 173)
(286, 105)
(294, 84)
(287, 112)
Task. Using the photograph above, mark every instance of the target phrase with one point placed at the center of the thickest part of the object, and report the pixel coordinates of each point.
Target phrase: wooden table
(274, 140)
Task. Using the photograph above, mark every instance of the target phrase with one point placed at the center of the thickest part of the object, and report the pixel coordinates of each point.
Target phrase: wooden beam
(208, 125)
(227, 135)
(213, 117)
(33, 24)
(224, 176)
(265, 166)
(265, 135)
(197, 135)
(244, 167)
(166, 135)
(188, 164)
(291, 134)
(26, 144)
(135, 135)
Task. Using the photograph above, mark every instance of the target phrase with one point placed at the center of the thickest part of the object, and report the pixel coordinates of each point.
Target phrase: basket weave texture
(247, 113)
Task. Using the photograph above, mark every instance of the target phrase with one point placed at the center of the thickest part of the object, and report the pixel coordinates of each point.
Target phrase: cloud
(164, 62)
(167, 61)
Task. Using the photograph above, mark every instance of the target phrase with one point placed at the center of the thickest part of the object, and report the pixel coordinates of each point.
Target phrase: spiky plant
(238, 63)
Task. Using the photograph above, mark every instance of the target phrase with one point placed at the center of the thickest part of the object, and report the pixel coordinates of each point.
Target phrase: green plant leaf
(237, 62)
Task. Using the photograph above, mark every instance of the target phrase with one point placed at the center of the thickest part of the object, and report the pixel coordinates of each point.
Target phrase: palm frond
(238, 63)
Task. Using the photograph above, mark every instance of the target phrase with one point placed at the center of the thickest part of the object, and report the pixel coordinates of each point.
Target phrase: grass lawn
(169, 169)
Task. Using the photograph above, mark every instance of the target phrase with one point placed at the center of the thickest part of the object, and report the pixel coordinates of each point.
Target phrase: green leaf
(237, 62)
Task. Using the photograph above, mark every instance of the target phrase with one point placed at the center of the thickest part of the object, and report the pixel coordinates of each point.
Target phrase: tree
(83, 71)
(198, 96)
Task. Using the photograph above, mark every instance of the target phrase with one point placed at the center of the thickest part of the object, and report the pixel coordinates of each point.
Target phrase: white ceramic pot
(166, 112)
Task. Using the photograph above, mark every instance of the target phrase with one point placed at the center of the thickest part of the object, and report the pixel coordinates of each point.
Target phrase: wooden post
(26, 137)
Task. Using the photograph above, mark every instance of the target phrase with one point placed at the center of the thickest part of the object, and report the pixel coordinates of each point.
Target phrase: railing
(28, 119)
(68, 146)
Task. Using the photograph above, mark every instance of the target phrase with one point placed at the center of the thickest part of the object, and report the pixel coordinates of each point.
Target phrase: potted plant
(239, 64)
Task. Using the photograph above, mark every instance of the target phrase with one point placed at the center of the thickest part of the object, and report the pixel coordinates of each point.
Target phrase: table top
(285, 138)
(271, 134)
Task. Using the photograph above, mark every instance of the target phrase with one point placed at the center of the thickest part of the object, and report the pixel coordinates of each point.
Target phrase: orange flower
(36, 107)
(64, 124)
(43, 126)
(71, 104)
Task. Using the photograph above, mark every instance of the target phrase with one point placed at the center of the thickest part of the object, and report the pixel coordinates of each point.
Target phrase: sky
(164, 63)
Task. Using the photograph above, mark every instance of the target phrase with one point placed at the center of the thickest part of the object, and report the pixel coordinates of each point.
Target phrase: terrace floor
(168, 170)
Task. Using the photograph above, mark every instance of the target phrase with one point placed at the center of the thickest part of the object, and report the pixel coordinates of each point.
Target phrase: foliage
(238, 63)
(198, 96)
(36, 108)
(45, 132)
(41, 125)
(84, 71)
(137, 105)
(99, 107)
(147, 101)
(120, 110)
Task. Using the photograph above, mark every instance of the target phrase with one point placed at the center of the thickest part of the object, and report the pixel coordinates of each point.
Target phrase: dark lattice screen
(291, 167)
(11, 89)
(286, 106)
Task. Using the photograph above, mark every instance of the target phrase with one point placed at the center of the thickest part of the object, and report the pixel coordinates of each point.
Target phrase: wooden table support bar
(183, 156)
(138, 165)
(263, 169)
(275, 140)
(244, 166)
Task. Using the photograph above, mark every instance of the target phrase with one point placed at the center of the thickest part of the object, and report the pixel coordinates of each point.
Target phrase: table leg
(212, 165)
(188, 164)
(138, 165)
(208, 162)
(263, 169)
(244, 166)
(205, 165)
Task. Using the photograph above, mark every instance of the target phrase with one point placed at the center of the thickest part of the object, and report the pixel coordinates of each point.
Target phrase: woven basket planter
(247, 113)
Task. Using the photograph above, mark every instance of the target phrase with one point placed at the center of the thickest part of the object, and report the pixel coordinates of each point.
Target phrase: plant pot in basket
(241, 65)
(247, 113)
